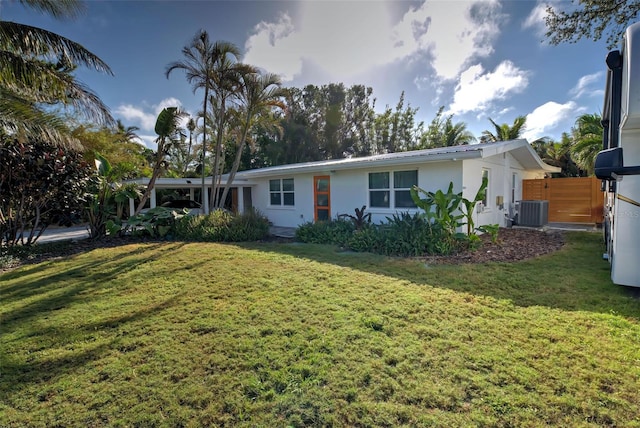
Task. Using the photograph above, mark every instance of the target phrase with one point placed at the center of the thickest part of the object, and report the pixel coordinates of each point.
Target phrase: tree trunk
(216, 162)
(157, 169)
(205, 202)
(236, 162)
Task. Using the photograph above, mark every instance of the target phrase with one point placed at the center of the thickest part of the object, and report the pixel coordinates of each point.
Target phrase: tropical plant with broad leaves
(470, 205)
(441, 207)
(105, 210)
(360, 220)
(450, 211)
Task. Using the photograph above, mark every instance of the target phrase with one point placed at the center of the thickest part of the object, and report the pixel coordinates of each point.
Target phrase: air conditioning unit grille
(533, 213)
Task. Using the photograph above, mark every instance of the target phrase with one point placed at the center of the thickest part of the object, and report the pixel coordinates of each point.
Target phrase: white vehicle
(618, 164)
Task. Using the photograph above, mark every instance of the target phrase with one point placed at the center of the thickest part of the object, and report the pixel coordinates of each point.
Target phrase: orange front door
(321, 198)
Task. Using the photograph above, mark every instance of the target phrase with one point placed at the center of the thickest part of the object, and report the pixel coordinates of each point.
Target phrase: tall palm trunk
(157, 169)
(238, 158)
(205, 200)
(215, 183)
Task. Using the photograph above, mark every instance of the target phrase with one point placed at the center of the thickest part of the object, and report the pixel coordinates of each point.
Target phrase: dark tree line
(334, 121)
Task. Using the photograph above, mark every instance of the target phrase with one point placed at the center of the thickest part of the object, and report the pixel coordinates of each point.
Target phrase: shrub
(223, 226)
(403, 235)
(336, 232)
(412, 235)
(158, 222)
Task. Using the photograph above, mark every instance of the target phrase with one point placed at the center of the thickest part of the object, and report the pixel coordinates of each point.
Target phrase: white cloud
(273, 48)
(548, 116)
(452, 32)
(145, 117)
(139, 117)
(343, 38)
(584, 85)
(149, 141)
(535, 20)
(505, 111)
(477, 90)
(346, 39)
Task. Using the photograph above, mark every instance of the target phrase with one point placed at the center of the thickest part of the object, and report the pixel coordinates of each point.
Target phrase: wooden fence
(571, 200)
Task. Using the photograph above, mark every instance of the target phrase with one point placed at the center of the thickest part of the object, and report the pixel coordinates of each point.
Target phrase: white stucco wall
(501, 169)
(349, 190)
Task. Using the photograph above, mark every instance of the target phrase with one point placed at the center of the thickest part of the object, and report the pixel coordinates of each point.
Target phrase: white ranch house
(290, 195)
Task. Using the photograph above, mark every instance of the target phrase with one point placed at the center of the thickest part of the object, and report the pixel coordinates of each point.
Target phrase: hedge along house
(290, 195)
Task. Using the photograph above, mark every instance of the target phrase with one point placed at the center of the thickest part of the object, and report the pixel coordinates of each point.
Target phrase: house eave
(360, 163)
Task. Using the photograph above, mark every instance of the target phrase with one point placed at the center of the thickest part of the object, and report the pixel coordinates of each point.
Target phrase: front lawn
(203, 334)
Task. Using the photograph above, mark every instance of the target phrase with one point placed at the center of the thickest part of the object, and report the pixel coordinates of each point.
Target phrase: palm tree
(444, 133)
(198, 65)
(35, 71)
(227, 82)
(168, 130)
(505, 132)
(557, 154)
(191, 127)
(456, 134)
(586, 138)
(259, 95)
(212, 67)
(126, 134)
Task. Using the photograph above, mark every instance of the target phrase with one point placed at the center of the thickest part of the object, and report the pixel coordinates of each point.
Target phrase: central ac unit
(533, 213)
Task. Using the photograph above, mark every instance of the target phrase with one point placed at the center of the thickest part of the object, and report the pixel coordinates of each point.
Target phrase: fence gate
(571, 200)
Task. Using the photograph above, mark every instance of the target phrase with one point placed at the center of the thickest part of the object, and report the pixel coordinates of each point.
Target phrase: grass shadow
(17, 374)
(81, 280)
(574, 278)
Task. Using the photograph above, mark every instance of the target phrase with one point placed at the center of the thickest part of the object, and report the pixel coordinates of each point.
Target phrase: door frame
(316, 193)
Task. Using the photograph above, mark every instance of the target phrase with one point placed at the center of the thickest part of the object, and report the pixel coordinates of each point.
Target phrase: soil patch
(512, 245)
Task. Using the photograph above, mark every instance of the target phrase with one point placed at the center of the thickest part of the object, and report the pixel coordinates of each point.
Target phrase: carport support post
(240, 197)
(153, 198)
(205, 202)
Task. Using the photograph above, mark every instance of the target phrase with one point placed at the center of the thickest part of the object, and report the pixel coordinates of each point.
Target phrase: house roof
(520, 149)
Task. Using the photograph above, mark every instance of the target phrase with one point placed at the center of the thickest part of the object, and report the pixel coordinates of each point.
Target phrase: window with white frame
(514, 186)
(485, 174)
(388, 189)
(281, 192)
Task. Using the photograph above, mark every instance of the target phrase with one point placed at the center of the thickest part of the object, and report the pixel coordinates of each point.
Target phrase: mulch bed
(513, 245)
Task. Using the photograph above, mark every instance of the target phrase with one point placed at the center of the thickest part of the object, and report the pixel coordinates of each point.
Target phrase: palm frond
(59, 9)
(41, 82)
(34, 42)
(25, 121)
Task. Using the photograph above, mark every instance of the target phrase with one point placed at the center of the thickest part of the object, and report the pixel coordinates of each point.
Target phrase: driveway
(53, 234)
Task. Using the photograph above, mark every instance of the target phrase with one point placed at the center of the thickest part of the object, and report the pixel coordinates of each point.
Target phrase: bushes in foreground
(222, 226)
(403, 235)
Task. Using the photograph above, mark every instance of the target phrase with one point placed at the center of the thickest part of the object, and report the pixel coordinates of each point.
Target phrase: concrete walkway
(283, 232)
(569, 227)
(53, 234)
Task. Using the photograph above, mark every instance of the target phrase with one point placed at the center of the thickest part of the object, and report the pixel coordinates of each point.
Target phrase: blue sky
(480, 60)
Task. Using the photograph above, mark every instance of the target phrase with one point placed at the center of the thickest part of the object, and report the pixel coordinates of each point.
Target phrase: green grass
(173, 334)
